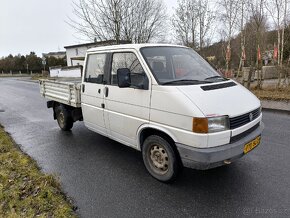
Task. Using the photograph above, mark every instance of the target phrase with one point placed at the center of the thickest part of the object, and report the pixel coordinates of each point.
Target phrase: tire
(63, 118)
(160, 159)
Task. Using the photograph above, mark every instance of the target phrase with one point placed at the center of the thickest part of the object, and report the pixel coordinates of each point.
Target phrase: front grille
(236, 122)
(244, 134)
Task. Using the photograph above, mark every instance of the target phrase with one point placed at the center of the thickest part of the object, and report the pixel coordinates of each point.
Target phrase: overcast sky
(38, 25)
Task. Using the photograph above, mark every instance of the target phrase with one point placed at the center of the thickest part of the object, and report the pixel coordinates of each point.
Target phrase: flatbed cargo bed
(62, 90)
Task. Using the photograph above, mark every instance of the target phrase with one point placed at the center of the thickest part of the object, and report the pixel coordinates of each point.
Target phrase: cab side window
(129, 60)
(95, 68)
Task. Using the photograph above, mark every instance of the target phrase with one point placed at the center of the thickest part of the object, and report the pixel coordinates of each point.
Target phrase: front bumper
(206, 158)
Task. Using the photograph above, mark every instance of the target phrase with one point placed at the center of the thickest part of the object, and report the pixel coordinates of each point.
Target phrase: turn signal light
(200, 125)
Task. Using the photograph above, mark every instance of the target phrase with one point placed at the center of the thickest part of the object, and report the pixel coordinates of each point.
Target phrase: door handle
(106, 91)
(99, 91)
(83, 87)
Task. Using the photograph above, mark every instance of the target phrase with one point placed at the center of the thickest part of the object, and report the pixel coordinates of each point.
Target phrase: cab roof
(131, 46)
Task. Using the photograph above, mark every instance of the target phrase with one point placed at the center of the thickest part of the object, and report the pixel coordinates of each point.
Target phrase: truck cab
(170, 104)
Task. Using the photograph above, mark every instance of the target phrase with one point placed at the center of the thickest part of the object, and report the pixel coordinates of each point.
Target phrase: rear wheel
(63, 117)
(160, 158)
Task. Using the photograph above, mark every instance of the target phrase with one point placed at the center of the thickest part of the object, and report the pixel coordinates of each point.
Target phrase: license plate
(252, 144)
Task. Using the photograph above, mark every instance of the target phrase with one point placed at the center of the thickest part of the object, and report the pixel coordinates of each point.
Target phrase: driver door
(127, 108)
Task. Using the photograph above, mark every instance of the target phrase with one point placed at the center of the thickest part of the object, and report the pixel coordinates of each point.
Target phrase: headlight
(210, 124)
(217, 124)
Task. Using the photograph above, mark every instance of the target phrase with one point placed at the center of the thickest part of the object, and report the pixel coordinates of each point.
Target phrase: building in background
(75, 54)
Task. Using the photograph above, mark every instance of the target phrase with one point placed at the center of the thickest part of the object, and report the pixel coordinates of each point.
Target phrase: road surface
(107, 179)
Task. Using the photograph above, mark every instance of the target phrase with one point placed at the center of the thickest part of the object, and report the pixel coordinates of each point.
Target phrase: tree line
(243, 30)
(28, 63)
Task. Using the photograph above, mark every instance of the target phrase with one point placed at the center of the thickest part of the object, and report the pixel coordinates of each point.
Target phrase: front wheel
(160, 158)
(63, 117)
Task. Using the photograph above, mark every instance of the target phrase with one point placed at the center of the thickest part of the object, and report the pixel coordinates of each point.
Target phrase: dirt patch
(273, 94)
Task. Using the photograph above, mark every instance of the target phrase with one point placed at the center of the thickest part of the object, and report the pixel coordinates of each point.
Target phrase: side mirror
(124, 77)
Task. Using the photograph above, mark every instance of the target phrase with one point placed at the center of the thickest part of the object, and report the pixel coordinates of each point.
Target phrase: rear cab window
(95, 68)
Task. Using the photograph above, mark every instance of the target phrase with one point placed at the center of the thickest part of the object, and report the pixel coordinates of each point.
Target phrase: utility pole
(43, 63)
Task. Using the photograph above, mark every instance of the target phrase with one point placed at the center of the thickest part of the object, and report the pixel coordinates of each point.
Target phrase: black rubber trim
(244, 134)
(218, 86)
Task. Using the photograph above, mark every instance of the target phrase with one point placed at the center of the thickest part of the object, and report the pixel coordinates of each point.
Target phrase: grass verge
(24, 190)
(14, 75)
(273, 94)
(38, 77)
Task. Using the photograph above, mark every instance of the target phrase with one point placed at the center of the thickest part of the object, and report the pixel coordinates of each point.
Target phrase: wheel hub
(61, 117)
(159, 158)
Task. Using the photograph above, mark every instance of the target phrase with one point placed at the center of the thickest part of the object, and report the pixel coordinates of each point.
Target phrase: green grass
(24, 190)
(274, 94)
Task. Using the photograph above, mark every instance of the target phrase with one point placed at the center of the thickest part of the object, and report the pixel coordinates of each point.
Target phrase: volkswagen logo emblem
(251, 116)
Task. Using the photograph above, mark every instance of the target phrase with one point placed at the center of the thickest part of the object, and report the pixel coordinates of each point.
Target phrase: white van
(163, 100)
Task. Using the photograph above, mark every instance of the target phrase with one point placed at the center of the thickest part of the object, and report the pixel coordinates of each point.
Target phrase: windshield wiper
(215, 77)
(186, 81)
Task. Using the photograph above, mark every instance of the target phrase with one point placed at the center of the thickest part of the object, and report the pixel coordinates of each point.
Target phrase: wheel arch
(53, 105)
(147, 130)
(75, 113)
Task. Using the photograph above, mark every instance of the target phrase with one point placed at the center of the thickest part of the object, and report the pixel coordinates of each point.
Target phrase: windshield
(176, 65)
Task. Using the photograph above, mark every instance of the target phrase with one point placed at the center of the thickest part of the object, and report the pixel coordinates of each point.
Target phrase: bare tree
(258, 26)
(150, 19)
(192, 22)
(284, 26)
(184, 22)
(229, 16)
(134, 20)
(205, 17)
(278, 11)
(242, 23)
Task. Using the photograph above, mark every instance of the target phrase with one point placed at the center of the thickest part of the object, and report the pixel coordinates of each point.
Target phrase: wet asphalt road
(107, 179)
